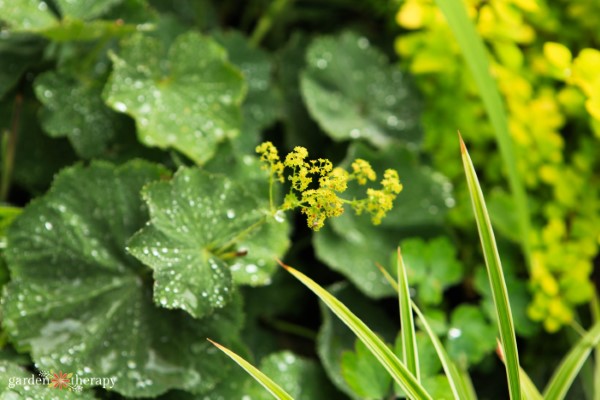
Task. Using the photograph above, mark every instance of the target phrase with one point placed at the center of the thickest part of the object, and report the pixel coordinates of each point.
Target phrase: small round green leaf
(470, 336)
(75, 109)
(431, 267)
(365, 374)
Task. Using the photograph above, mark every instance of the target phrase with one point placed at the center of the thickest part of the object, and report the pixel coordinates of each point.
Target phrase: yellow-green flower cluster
(552, 97)
(270, 158)
(315, 186)
(379, 202)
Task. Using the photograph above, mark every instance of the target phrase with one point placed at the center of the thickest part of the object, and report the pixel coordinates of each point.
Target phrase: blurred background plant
(544, 60)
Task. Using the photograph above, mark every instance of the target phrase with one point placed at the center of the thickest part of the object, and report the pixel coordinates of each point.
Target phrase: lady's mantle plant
(79, 301)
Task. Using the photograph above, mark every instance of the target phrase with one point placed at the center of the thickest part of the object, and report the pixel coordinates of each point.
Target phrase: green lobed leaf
(352, 245)
(496, 277)
(35, 16)
(431, 267)
(78, 302)
(197, 220)
(187, 99)
(352, 92)
(364, 374)
(27, 15)
(74, 108)
(401, 375)
(85, 9)
(470, 336)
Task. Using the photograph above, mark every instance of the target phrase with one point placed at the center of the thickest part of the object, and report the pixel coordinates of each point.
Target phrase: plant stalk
(266, 21)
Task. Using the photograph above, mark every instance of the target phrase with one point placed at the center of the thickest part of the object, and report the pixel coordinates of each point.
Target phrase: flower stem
(266, 21)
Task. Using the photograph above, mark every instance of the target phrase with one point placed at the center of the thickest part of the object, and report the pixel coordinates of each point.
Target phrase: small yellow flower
(391, 181)
(337, 180)
(270, 158)
(296, 157)
(363, 171)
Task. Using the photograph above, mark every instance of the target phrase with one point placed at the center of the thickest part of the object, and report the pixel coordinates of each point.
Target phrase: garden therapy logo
(62, 381)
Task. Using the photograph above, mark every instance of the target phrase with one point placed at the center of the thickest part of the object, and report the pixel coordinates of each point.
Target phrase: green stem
(272, 206)
(90, 58)
(294, 329)
(240, 236)
(266, 21)
(9, 147)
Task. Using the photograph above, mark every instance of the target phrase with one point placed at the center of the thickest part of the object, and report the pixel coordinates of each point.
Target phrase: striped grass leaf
(455, 379)
(410, 351)
(261, 378)
(595, 306)
(475, 54)
(405, 379)
(530, 391)
(496, 277)
(569, 367)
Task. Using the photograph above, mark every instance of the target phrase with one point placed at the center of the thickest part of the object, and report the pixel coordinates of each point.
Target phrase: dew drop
(48, 226)
(322, 63)
(355, 133)
(450, 202)
(120, 106)
(230, 214)
(279, 216)
(392, 120)
(454, 333)
(363, 43)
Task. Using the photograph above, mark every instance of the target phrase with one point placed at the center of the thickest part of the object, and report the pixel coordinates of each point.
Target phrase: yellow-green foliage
(322, 200)
(542, 57)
